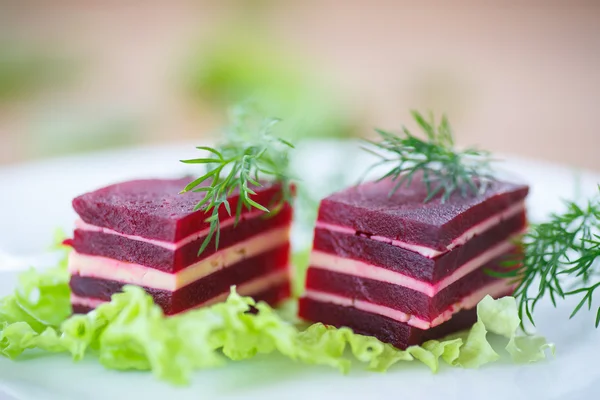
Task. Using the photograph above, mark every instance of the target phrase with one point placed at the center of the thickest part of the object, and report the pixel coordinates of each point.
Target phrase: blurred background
(518, 77)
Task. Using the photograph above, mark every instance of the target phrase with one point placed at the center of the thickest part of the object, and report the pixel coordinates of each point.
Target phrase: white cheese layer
(250, 288)
(428, 252)
(136, 274)
(331, 262)
(495, 289)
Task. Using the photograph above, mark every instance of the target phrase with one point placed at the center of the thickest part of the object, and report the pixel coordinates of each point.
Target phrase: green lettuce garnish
(131, 332)
(41, 300)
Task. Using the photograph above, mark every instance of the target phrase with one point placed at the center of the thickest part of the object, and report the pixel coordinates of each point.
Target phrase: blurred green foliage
(24, 70)
(62, 132)
(241, 66)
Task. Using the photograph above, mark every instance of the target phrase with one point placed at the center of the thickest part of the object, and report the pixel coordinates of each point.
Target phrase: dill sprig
(561, 259)
(249, 154)
(444, 169)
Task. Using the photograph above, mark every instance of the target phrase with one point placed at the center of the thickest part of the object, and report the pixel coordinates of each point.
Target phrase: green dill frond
(561, 259)
(250, 153)
(443, 168)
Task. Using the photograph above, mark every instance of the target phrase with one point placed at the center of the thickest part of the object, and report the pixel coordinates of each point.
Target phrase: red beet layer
(385, 329)
(408, 262)
(150, 255)
(369, 209)
(272, 295)
(398, 297)
(197, 292)
(154, 209)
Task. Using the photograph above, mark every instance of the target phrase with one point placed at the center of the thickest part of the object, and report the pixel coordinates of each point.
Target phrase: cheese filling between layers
(136, 274)
(495, 289)
(249, 288)
(84, 226)
(334, 263)
(427, 251)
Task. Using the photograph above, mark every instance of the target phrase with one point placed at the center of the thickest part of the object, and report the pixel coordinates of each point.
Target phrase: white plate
(36, 199)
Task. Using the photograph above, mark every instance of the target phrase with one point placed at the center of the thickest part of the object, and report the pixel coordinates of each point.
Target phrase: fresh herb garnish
(444, 168)
(249, 153)
(561, 259)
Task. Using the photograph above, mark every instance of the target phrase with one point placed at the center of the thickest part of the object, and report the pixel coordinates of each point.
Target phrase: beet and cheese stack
(405, 270)
(147, 234)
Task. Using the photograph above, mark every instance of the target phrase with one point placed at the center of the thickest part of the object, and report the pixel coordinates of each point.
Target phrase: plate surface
(36, 199)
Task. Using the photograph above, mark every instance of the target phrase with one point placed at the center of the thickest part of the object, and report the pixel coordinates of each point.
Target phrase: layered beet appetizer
(147, 233)
(406, 271)
(427, 249)
(387, 264)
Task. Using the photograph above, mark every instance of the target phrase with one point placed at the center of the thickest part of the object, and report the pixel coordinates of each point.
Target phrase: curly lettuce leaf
(41, 301)
(501, 318)
(131, 332)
